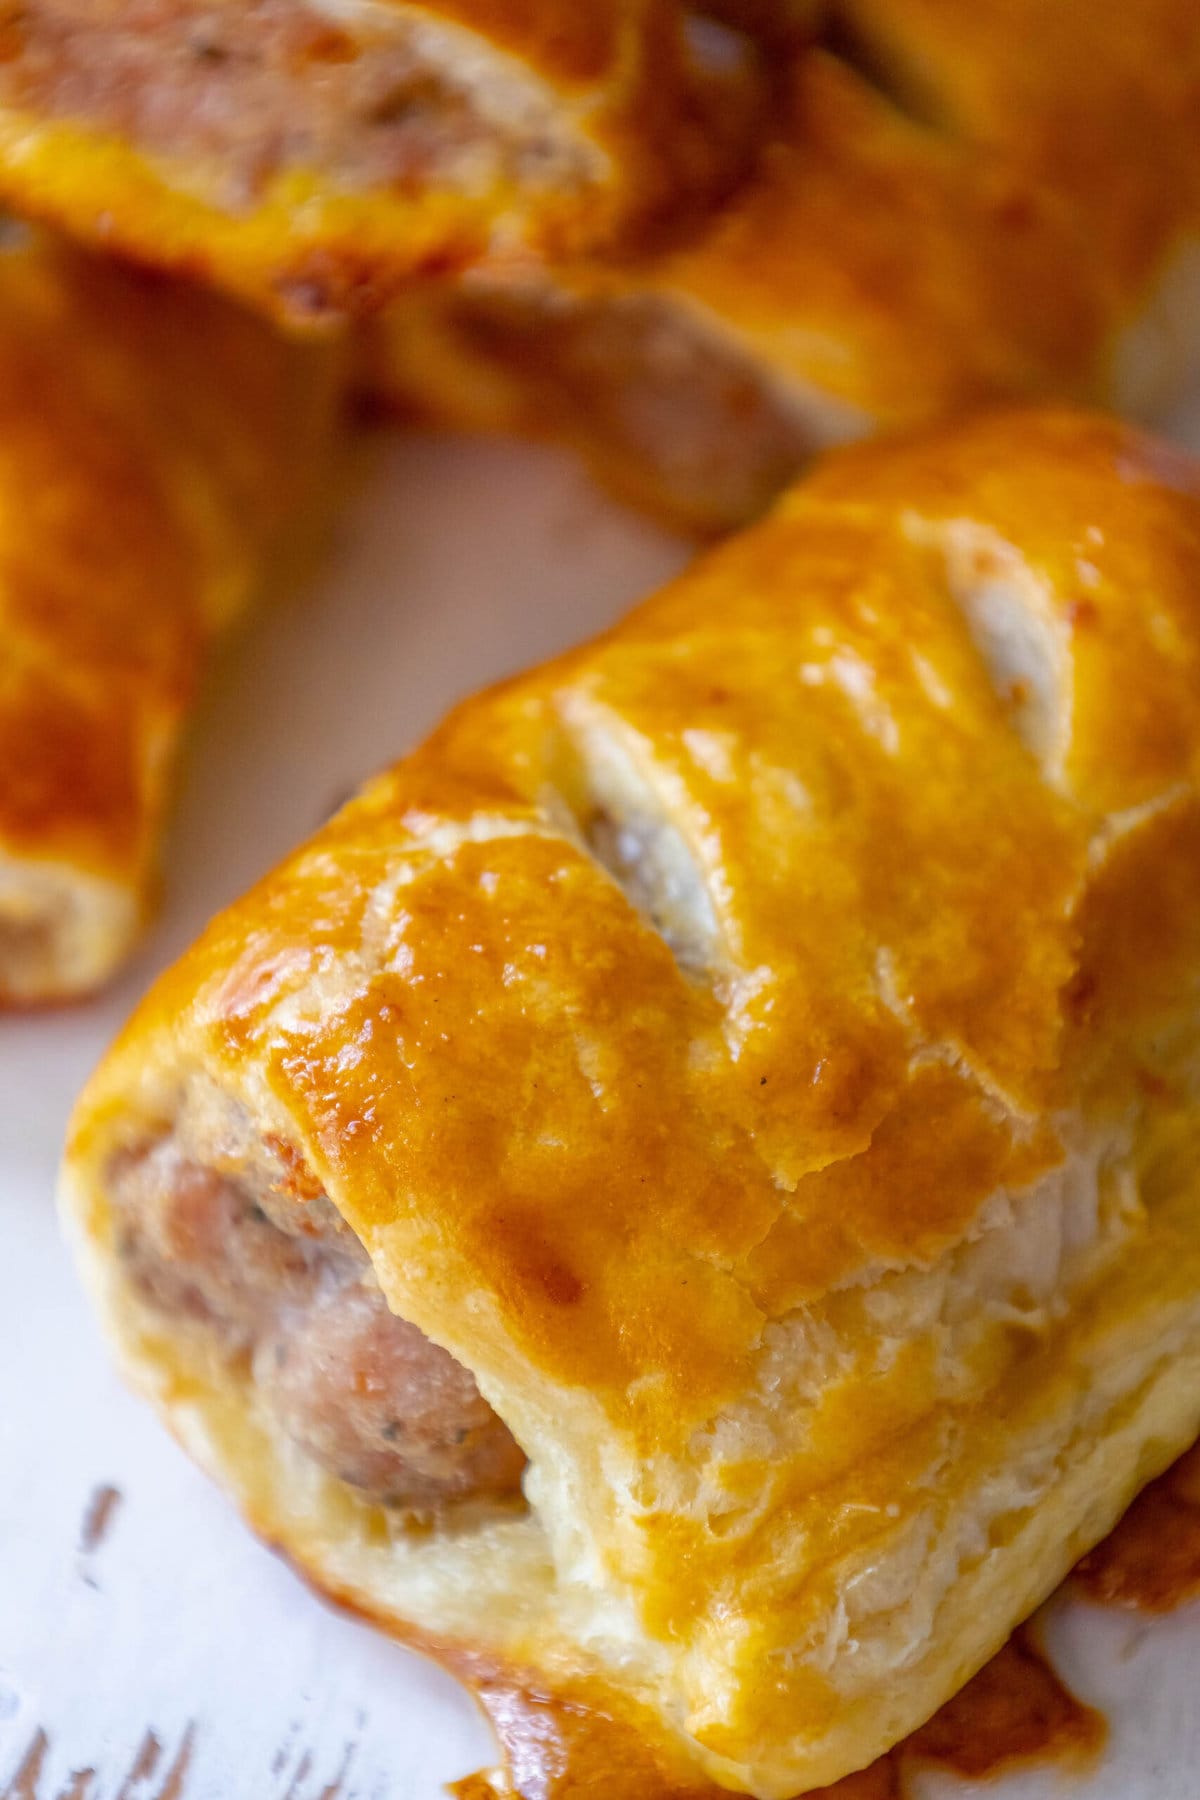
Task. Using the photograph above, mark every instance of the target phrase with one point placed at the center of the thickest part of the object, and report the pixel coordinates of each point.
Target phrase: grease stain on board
(145, 1778)
(101, 1510)
(26, 1782)
(1151, 1562)
(156, 1774)
(79, 1785)
(1016, 1711)
(176, 1776)
(144, 1764)
(300, 1775)
(336, 1788)
(299, 1787)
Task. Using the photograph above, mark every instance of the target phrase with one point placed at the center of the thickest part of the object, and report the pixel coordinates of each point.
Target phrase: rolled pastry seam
(919, 235)
(686, 1186)
(313, 158)
(154, 445)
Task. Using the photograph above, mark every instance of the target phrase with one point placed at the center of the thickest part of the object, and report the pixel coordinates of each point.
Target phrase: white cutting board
(176, 1658)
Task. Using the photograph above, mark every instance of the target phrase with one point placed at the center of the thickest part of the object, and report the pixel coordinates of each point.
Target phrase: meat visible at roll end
(284, 1284)
(369, 1397)
(198, 1245)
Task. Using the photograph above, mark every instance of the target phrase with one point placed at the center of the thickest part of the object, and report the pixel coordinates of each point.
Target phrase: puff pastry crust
(953, 205)
(314, 158)
(761, 1048)
(152, 445)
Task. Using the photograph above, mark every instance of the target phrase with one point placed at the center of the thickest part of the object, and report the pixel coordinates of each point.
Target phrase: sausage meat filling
(241, 94)
(263, 1262)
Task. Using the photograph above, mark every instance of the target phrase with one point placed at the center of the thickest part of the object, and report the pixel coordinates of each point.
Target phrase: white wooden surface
(176, 1659)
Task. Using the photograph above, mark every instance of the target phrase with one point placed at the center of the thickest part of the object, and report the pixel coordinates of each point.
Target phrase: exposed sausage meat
(371, 1398)
(277, 1276)
(242, 93)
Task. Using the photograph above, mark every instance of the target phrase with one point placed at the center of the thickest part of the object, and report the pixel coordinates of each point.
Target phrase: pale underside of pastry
(154, 445)
(686, 1188)
(952, 205)
(312, 157)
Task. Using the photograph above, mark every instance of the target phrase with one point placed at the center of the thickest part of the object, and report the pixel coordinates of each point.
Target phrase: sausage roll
(152, 442)
(311, 157)
(686, 1187)
(955, 204)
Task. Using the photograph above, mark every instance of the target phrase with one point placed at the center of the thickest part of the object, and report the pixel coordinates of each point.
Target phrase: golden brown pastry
(712, 1136)
(955, 203)
(313, 157)
(152, 444)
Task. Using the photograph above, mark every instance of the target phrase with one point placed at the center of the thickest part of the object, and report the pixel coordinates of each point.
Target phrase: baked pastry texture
(313, 158)
(952, 205)
(153, 444)
(686, 1187)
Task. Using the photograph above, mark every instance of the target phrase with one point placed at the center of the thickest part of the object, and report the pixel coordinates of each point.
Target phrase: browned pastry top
(807, 723)
(133, 495)
(78, 679)
(963, 202)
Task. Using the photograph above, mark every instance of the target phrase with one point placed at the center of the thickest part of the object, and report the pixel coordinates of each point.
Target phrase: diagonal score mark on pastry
(808, 1199)
(154, 446)
(312, 156)
(952, 205)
